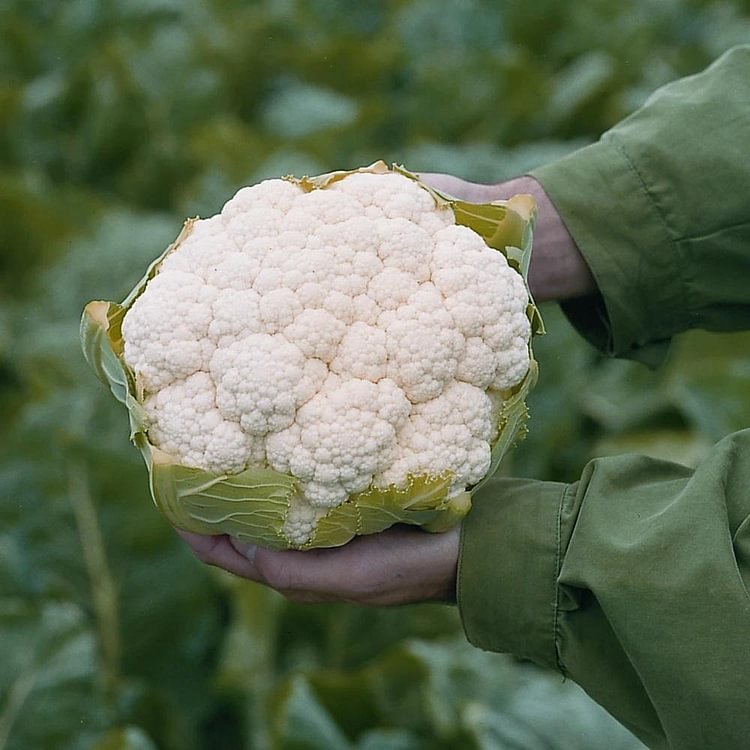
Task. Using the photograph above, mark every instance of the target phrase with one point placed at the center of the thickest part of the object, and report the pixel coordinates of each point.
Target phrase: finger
(219, 552)
(462, 189)
(312, 575)
(397, 566)
(223, 552)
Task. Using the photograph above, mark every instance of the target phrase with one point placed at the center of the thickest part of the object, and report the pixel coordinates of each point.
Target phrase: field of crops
(118, 120)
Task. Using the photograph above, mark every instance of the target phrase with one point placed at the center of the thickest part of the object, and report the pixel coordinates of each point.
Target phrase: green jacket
(633, 580)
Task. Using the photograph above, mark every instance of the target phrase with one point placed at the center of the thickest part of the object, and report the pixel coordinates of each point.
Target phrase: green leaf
(126, 738)
(390, 739)
(623, 396)
(543, 711)
(445, 694)
(707, 381)
(687, 447)
(301, 723)
(251, 505)
(47, 689)
(579, 82)
(297, 110)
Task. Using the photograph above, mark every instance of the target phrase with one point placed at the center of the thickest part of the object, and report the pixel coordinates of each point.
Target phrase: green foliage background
(117, 120)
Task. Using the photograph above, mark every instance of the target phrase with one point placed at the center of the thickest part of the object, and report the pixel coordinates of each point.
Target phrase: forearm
(558, 270)
(632, 582)
(658, 208)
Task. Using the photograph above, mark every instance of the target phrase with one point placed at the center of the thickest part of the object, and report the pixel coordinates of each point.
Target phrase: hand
(474, 192)
(558, 270)
(402, 565)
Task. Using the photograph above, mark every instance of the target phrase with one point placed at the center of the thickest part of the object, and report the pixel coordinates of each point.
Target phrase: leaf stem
(17, 695)
(103, 588)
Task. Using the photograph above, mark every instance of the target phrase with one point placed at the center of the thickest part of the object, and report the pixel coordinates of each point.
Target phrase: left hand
(558, 270)
(402, 565)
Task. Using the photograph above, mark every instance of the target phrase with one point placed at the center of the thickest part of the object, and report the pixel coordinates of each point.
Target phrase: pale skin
(403, 565)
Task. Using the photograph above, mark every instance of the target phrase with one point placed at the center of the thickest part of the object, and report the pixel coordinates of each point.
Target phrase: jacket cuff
(508, 567)
(633, 268)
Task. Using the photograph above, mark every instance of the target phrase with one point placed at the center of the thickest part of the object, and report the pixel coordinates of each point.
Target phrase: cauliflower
(342, 351)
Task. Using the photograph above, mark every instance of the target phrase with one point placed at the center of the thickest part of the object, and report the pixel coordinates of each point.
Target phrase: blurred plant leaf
(686, 447)
(707, 380)
(443, 694)
(578, 82)
(302, 723)
(49, 541)
(36, 219)
(48, 682)
(298, 109)
(127, 738)
(390, 739)
(546, 713)
(484, 162)
(624, 395)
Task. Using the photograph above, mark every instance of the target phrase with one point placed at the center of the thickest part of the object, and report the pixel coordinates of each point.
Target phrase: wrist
(558, 270)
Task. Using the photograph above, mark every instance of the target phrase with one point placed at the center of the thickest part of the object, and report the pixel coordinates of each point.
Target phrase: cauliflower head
(325, 357)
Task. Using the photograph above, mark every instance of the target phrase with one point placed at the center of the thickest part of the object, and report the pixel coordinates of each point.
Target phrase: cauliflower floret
(249, 225)
(341, 438)
(269, 280)
(406, 246)
(196, 254)
(454, 244)
(489, 309)
(423, 345)
(327, 207)
(366, 309)
(351, 248)
(436, 220)
(316, 333)
(235, 314)
(476, 299)
(186, 424)
(166, 331)
(512, 365)
(262, 380)
(357, 233)
(233, 271)
(278, 308)
(510, 342)
(362, 353)
(478, 363)
(301, 521)
(391, 288)
(449, 433)
(277, 194)
(391, 403)
(391, 195)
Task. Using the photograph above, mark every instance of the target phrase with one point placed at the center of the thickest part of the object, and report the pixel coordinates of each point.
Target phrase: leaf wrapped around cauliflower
(326, 357)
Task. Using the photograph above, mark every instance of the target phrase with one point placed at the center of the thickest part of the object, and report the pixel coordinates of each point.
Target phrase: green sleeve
(660, 209)
(633, 581)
